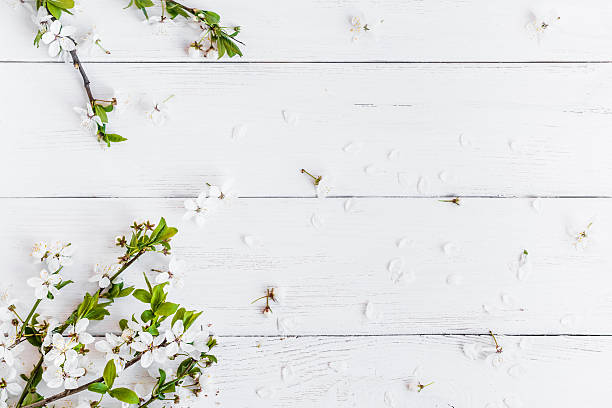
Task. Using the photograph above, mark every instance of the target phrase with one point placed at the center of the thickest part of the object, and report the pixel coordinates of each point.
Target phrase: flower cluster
(213, 40)
(164, 339)
(201, 207)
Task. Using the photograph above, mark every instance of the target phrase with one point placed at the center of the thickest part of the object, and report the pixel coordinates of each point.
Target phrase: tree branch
(67, 393)
(77, 64)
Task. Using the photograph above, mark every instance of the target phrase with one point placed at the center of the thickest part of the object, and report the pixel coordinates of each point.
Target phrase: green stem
(27, 319)
(28, 385)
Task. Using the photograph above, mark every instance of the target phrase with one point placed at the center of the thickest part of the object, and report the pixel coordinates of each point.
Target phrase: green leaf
(110, 373)
(123, 324)
(211, 17)
(101, 113)
(126, 292)
(166, 309)
(178, 315)
(54, 10)
(33, 337)
(100, 388)
(142, 295)
(115, 138)
(147, 315)
(125, 395)
(63, 4)
(31, 398)
(167, 233)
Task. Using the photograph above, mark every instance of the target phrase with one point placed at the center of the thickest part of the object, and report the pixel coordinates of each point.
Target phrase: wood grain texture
(315, 30)
(359, 371)
(474, 129)
(331, 272)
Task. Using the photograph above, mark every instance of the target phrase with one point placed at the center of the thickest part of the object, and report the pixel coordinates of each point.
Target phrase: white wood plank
(359, 371)
(275, 30)
(527, 130)
(332, 272)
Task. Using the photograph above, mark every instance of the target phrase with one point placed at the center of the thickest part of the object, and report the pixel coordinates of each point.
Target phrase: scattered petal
(536, 204)
(238, 132)
(403, 242)
(290, 118)
(443, 176)
(353, 147)
(265, 392)
(317, 221)
(464, 141)
(402, 276)
(496, 359)
(508, 300)
(454, 279)
(393, 155)
(389, 399)
(374, 170)
(513, 402)
(395, 265)
(488, 308)
(370, 311)
(569, 320)
(250, 241)
(516, 371)
(450, 249)
(287, 373)
(515, 146)
(349, 204)
(422, 185)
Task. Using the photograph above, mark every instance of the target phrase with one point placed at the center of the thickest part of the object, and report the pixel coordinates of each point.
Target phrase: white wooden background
(460, 95)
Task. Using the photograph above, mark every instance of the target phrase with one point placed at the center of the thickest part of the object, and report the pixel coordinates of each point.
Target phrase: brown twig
(67, 393)
(76, 62)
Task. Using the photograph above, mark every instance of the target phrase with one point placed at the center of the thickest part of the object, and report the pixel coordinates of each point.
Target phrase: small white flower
(39, 251)
(8, 383)
(92, 43)
(175, 274)
(225, 193)
(414, 385)
(112, 347)
(179, 340)
(62, 350)
(202, 49)
(159, 113)
(324, 187)
(48, 325)
(149, 346)
(58, 38)
(6, 301)
(45, 284)
(103, 273)
(89, 120)
(66, 375)
(128, 335)
(123, 101)
(60, 254)
(267, 312)
(79, 334)
(277, 294)
(199, 208)
(360, 25)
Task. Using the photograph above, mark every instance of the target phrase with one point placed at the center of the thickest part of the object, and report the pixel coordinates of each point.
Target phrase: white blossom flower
(58, 38)
(50, 325)
(123, 101)
(199, 208)
(103, 273)
(78, 332)
(92, 43)
(203, 49)
(7, 354)
(8, 384)
(42, 18)
(225, 193)
(360, 25)
(175, 274)
(149, 346)
(89, 120)
(179, 340)
(39, 251)
(159, 113)
(129, 334)
(60, 254)
(267, 312)
(324, 187)
(45, 284)
(6, 301)
(62, 350)
(66, 375)
(112, 347)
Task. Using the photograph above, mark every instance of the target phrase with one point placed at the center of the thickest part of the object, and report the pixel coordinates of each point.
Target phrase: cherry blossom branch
(67, 393)
(77, 64)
